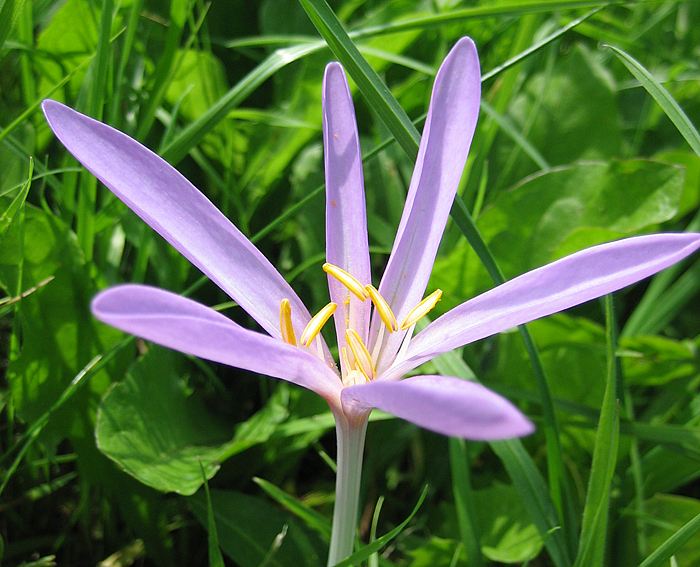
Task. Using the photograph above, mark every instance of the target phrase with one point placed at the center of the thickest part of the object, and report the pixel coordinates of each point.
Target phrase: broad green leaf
(433, 551)
(560, 109)
(71, 36)
(156, 430)
(654, 360)
(58, 332)
(507, 533)
(254, 533)
(559, 212)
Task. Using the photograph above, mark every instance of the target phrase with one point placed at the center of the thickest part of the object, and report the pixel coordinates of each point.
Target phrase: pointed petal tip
(334, 78)
(445, 405)
(465, 45)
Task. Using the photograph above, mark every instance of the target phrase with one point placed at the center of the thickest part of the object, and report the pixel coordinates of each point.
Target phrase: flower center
(357, 361)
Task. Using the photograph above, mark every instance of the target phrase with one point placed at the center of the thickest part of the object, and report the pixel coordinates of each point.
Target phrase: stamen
(363, 360)
(313, 327)
(346, 308)
(421, 310)
(382, 307)
(348, 280)
(286, 327)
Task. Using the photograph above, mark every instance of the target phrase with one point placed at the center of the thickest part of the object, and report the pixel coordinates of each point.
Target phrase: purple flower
(374, 326)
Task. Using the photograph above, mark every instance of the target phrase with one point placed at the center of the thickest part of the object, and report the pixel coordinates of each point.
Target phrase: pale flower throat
(357, 363)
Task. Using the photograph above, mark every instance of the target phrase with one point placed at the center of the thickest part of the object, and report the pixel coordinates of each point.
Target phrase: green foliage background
(106, 441)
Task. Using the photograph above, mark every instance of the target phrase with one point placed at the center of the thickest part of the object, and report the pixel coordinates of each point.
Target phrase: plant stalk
(351, 443)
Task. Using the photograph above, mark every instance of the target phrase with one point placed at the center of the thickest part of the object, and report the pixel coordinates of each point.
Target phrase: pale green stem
(351, 444)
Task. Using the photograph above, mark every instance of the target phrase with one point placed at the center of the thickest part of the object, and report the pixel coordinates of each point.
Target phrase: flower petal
(346, 217)
(446, 405)
(179, 323)
(577, 278)
(182, 215)
(447, 135)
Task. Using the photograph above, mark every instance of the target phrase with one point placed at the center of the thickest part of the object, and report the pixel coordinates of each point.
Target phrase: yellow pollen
(349, 281)
(382, 307)
(421, 310)
(288, 335)
(313, 327)
(363, 360)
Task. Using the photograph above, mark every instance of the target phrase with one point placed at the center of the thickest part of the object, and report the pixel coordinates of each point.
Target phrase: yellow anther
(420, 310)
(288, 335)
(313, 327)
(363, 360)
(348, 280)
(382, 307)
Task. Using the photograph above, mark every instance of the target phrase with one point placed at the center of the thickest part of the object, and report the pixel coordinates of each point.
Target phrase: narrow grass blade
(595, 513)
(380, 542)
(9, 213)
(98, 81)
(311, 518)
(662, 97)
(216, 559)
(38, 425)
(523, 471)
(661, 556)
(464, 502)
(180, 145)
(372, 87)
(9, 11)
(514, 134)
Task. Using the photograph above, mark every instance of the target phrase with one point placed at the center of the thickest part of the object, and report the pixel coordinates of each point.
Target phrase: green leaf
(380, 542)
(310, 517)
(11, 209)
(527, 479)
(154, 398)
(9, 12)
(254, 533)
(662, 97)
(215, 557)
(555, 213)
(373, 88)
(508, 535)
(58, 333)
(673, 544)
(672, 521)
(152, 427)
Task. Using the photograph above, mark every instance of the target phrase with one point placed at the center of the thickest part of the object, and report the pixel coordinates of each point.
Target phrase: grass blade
(464, 502)
(667, 549)
(216, 559)
(380, 542)
(662, 97)
(522, 470)
(595, 512)
(378, 95)
(311, 518)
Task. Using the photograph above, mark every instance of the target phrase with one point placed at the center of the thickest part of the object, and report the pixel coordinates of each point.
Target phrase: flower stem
(351, 443)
